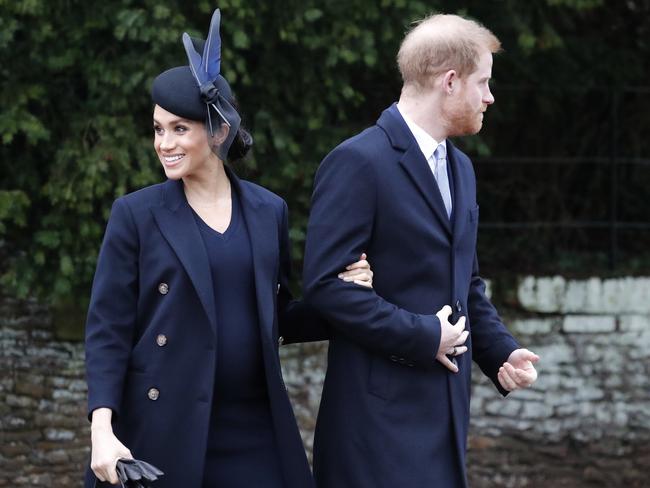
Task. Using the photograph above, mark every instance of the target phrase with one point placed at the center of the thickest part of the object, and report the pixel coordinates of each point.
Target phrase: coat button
(163, 288)
(459, 307)
(153, 394)
(161, 340)
(393, 358)
(278, 290)
(280, 340)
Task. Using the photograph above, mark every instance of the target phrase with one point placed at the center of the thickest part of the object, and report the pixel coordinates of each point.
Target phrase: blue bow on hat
(213, 87)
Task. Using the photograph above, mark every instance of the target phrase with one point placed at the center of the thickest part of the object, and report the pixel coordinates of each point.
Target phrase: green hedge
(76, 115)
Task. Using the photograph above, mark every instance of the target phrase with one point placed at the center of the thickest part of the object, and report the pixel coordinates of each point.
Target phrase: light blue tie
(440, 172)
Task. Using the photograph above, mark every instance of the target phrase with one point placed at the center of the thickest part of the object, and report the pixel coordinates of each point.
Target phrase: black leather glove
(134, 473)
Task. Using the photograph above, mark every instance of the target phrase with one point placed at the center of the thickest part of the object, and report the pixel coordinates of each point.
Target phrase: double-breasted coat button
(163, 288)
(153, 394)
(161, 340)
(280, 340)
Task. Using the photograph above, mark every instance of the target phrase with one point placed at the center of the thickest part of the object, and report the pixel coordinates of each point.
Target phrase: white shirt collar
(427, 144)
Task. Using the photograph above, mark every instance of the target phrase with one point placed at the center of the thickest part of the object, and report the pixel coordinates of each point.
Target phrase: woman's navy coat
(151, 328)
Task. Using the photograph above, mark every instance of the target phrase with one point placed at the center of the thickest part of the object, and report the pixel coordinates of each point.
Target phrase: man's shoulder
(367, 144)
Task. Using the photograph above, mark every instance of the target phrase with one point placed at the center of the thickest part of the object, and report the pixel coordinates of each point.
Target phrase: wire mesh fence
(572, 193)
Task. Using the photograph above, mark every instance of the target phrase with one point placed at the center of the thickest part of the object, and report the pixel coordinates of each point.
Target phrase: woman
(189, 304)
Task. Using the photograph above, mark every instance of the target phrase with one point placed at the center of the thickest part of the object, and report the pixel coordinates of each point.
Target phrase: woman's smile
(172, 160)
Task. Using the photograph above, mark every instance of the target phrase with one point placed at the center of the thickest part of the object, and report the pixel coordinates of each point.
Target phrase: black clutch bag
(134, 473)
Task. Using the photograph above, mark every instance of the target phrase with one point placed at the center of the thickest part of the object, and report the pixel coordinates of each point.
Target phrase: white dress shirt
(437, 161)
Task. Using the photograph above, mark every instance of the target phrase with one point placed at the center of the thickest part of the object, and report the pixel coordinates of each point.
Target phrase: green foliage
(75, 113)
(75, 131)
(13, 206)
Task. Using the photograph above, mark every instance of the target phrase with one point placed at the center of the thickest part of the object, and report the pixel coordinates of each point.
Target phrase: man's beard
(462, 120)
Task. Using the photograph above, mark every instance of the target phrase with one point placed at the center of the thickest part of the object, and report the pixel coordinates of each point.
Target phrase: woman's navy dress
(242, 450)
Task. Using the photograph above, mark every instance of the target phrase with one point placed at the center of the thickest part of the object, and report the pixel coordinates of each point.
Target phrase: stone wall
(585, 423)
(587, 420)
(44, 436)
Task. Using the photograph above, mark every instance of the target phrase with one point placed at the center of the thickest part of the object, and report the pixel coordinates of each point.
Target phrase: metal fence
(577, 194)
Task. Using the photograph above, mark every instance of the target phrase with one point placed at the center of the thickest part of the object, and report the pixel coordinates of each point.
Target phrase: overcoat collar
(415, 165)
(178, 225)
(463, 178)
(262, 225)
(413, 162)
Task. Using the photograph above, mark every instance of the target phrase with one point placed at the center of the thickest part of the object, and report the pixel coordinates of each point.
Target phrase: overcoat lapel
(262, 225)
(414, 163)
(461, 180)
(458, 397)
(178, 226)
(416, 166)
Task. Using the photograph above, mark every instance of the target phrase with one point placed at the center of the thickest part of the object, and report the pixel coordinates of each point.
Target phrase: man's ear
(450, 81)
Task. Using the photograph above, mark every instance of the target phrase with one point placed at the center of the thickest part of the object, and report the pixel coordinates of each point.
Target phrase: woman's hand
(359, 272)
(106, 448)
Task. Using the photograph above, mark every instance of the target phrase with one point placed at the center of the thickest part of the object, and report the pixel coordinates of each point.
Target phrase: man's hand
(518, 372)
(452, 338)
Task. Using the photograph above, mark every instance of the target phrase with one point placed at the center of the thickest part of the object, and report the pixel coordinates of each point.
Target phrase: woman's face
(182, 145)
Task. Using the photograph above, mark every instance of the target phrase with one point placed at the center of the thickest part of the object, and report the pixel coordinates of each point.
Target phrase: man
(395, 406)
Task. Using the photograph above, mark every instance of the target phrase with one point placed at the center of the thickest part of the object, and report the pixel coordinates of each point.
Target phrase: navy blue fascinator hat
(199, 92)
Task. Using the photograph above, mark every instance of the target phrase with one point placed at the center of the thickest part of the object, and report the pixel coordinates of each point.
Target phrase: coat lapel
(414, 163)
(178, 226)
(418, 169)
(460, 182)
(262, 224)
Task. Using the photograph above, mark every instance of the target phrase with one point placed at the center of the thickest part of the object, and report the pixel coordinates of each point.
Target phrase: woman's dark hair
(242, 142)
(240, 146)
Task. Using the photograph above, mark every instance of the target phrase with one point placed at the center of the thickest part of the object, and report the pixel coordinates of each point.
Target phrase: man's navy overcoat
(152, 281)
(391, 416)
